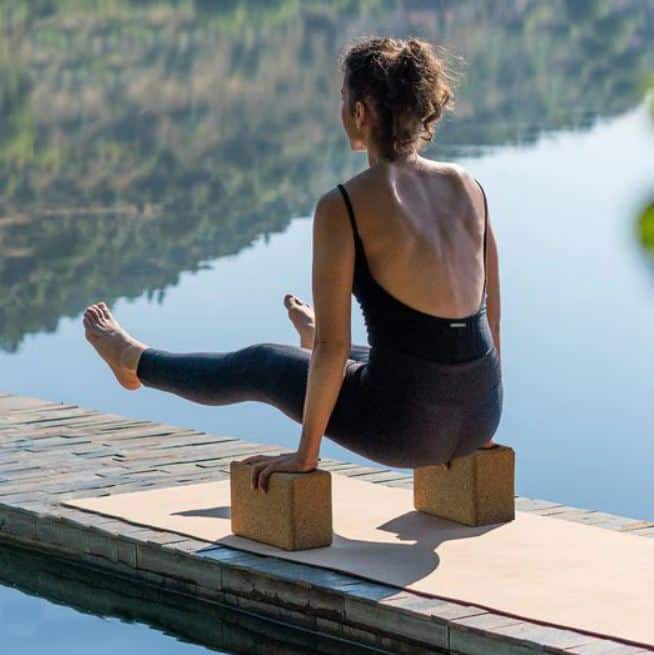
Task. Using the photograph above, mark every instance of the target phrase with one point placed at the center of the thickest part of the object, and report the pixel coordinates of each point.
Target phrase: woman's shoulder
(457, 179)
(334, 197)
(363, 178)
(369, 183)
(453, 172)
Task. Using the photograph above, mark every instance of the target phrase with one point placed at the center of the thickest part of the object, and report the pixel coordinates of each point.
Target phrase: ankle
(132, 355)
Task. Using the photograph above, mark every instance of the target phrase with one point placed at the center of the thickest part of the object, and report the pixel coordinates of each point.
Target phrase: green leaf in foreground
(646, 227)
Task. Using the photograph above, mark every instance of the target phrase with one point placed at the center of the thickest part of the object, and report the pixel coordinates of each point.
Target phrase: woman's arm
(493, 287)
(333, 268)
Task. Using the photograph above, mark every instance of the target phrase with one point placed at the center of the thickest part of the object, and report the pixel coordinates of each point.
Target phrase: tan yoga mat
(538, 568)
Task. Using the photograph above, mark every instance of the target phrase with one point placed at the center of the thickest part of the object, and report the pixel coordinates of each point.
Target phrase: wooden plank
(383, 476)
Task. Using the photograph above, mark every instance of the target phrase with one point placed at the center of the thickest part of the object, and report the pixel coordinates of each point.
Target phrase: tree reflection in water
(140, 139)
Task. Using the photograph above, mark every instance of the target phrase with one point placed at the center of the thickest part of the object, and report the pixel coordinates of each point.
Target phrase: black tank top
(391, 324)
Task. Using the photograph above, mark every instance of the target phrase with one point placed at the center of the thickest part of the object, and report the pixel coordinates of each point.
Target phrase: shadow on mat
(410, 557)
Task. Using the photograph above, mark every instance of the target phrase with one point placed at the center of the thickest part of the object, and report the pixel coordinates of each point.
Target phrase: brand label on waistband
(457, 324)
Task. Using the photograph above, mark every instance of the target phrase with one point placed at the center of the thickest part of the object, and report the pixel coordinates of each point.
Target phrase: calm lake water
(167, 159)
(52, 606)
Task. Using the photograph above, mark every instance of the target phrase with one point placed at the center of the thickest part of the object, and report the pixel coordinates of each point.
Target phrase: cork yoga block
(295, 513)
(478, 489)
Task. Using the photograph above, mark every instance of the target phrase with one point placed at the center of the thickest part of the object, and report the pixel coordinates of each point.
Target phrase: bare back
(422, 228)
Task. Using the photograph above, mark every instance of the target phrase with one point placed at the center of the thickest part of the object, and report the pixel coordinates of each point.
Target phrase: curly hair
(407, 86)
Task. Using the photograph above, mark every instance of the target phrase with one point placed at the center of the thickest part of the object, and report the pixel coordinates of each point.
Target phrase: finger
(265, 458)
(264, 477)
(253, 477)
(254, 458)
(256, 470)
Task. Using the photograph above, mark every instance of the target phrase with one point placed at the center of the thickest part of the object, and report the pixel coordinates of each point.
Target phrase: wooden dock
(50, 452)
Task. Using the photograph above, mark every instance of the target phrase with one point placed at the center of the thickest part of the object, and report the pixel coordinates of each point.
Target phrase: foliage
(140, 138)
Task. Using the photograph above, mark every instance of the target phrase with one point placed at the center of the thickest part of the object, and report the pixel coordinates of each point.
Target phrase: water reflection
(645, 221)
(141, 139)
(34, 620)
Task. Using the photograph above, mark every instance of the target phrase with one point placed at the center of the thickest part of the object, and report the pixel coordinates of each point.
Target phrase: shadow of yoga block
(295, 514)
(478, 489)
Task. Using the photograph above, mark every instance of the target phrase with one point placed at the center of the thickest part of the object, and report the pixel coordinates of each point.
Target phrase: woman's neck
(374, 159)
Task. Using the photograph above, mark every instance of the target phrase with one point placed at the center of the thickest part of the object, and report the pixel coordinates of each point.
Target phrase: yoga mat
(538, 568)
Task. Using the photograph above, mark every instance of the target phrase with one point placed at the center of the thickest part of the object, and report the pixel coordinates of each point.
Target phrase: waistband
(426, 380)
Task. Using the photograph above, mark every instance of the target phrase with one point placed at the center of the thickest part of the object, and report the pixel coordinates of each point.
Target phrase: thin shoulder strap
(350, 213)
(483, 193)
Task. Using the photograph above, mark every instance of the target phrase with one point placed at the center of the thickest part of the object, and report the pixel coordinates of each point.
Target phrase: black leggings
(393, 408)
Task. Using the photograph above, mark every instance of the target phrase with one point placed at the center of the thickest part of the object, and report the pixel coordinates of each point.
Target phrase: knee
(263, 353)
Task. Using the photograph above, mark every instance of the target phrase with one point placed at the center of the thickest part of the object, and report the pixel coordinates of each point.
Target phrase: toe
(289, 300)
(104, 310)
(88, 323)
(95, 312)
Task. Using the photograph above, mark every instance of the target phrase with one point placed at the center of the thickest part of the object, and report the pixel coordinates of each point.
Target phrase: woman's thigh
(272, 373)
(282, 378)
(279, 377)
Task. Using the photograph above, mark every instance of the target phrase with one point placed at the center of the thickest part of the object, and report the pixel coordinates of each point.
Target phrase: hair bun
(406, 85)
(414, 46)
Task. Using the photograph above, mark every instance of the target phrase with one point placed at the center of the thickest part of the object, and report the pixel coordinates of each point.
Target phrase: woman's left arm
(333, 266)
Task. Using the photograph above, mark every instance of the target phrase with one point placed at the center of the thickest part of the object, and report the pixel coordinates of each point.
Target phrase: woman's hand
(264, 465)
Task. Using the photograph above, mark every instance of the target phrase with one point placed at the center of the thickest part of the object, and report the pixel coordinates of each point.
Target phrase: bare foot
(120, 350)
(303, 319)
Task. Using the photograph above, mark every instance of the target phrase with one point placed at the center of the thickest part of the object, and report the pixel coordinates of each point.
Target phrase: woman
(411, 238)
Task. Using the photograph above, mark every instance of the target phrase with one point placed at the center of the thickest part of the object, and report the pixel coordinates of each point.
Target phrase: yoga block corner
(478, 489)
(295, 513)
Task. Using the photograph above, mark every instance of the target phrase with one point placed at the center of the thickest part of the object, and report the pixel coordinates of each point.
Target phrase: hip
(417, 381)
